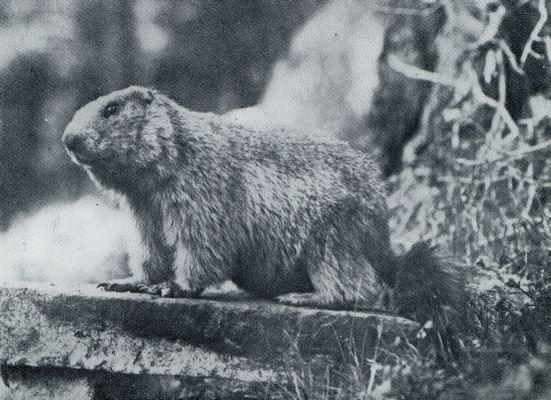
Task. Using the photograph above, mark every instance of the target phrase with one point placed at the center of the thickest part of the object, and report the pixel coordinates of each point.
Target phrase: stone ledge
(244, 340)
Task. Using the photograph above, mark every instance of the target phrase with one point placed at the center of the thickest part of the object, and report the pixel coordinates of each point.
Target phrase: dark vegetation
(454, 123)
(476, 182)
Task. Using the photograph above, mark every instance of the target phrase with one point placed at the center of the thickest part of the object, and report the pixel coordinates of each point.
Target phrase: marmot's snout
(74, 143)
(76, 147)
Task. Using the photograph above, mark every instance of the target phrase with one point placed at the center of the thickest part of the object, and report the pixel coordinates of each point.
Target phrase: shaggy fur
(282, 216)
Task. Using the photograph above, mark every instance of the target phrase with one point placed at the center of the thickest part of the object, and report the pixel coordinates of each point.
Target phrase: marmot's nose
(74, 143)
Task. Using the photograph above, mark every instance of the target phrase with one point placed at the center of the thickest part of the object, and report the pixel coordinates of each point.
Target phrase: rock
(244, 341)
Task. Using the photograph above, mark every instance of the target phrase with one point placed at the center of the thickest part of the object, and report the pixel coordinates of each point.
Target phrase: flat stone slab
(244, 340)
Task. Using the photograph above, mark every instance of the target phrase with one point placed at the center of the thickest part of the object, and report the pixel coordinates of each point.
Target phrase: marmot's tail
(428, 288)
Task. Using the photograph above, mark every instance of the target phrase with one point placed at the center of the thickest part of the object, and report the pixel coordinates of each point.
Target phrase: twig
(530, 149)
(492, 28)
(374, 366)
(424, 12)
(534, 35)
(413, 72)
(489, 66)
(513, 155)
(547, 42)
(373, 369)
(482, 98)
(510, 56)
(516, 285)
(531, 193)
(298, 391)
(502, 93)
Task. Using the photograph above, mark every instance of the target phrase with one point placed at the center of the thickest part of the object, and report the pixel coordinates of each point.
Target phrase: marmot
(284, 216)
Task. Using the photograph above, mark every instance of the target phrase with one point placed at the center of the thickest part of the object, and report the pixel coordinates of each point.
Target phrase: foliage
(480, 188)
(481, 184)
(516, 365)
(220, 54)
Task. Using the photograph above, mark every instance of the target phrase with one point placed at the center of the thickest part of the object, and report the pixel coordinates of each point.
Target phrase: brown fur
(283, 216)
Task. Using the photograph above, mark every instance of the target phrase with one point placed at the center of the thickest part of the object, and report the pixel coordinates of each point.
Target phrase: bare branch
(393, 10)
(545, 145)
(482, 98)
(413, 72)
(510, 56)
(547, 41)
(512, 155)
(472, 84)
(534, 35)
(531, 193)
(502, 91)
(494, 22)
(536, 55)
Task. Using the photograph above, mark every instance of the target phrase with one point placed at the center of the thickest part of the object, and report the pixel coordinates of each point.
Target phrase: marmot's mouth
(79, 158)
(76, 147)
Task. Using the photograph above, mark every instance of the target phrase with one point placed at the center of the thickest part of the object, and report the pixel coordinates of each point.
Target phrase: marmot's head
(120, 138)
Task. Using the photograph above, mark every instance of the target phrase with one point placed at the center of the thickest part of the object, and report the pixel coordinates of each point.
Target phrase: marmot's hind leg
(341, 274)
(342, 283)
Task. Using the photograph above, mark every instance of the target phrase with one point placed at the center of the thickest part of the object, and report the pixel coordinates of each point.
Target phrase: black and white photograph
(275, 200)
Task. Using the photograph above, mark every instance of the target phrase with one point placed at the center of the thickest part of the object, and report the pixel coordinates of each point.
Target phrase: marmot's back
(290, 164)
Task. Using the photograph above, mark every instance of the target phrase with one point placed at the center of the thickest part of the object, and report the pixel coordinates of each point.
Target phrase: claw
(120, 287)
(164, 289)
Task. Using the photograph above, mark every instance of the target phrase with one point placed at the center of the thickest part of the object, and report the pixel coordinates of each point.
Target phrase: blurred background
(58, 55)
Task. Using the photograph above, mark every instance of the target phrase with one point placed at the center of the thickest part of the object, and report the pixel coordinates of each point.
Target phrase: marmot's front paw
(163, 289)
(120, 287)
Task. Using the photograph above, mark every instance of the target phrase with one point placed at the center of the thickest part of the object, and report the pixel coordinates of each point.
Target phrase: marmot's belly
(271, 281)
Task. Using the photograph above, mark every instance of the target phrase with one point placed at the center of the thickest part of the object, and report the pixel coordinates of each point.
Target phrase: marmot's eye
(110, 110)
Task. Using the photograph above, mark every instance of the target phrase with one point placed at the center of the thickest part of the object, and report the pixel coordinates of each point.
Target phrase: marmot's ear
(148, 96)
